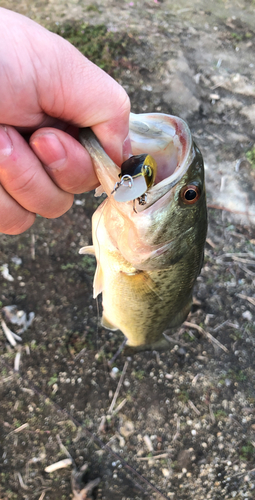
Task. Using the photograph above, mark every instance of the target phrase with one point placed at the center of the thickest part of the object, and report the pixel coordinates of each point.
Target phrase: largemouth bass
(149, 250)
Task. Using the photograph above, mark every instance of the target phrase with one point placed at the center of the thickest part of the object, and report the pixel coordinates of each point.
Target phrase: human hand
(49, 88)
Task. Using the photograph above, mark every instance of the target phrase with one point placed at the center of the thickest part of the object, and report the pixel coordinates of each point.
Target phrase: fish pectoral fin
(98, 281)
(144, 281)
(99, 191)
(107, 324)
(89, 250)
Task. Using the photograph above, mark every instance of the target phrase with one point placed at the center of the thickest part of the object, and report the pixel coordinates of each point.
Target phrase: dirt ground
(183, 426)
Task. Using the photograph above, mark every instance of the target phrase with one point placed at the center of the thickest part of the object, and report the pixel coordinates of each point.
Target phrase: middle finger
(24, 178)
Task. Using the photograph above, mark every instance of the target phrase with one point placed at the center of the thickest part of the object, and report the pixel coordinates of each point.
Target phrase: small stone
(148, 442)
(127, 428)
(247, 315)
(165, 472)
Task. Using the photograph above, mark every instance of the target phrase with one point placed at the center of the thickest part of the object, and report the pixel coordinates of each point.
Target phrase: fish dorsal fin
(89, 250)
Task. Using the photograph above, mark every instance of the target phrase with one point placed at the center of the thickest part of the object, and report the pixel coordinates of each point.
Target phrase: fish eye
(190, 194)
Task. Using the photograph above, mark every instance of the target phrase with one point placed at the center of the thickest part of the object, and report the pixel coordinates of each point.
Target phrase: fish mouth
(168, 139)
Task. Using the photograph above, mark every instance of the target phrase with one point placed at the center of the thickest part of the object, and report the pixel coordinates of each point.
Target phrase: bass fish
(149, 233)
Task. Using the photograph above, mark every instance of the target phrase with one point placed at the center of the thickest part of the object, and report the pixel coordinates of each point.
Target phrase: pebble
(247, 315)
(127, 428)
(166, 472)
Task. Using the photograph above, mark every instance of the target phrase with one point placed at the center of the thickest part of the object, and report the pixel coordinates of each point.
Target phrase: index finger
(61, 83)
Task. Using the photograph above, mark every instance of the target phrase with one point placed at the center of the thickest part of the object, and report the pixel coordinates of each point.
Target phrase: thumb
(56, 80)
(84, 95)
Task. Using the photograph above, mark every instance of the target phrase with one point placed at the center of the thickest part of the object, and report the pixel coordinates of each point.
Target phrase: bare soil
(186, 429)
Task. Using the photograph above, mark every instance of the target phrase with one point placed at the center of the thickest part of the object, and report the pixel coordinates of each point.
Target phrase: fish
(149, 246)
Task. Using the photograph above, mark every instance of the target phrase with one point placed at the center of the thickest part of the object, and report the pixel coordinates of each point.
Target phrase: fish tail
(161, 345)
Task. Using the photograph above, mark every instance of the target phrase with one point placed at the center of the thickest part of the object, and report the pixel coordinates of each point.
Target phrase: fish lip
(162, 128)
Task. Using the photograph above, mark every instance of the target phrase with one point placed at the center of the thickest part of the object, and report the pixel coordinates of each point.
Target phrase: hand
(49, 88)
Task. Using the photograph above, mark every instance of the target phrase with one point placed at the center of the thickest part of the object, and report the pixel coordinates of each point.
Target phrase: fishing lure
(137, 175)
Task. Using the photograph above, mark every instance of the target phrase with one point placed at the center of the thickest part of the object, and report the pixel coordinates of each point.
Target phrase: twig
(21, 482)
(28, 391)
(19, 429)
(207, 334)
(148, 442)
(217, 207)
(63, 448)
(118, 387)
(172, 340)
(239, 254)
(8, 333)
(110, 363)
(246, 270)
(210, 242)
(250, 299)
(195, 379)
(211, 414)
(78, 356)
(32, 246)
(227, 323)
(243, 261)
(101, 427)
(244, 258)
(220, 326)
(59, 465)
(120, 406)
(41, 497)
(154, 457)
(177, 434)
(17, 361)
(194, 408)
(80, 490)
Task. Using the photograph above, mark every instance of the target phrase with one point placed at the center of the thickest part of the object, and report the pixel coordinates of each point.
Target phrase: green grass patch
(250, 155)
(107, 49)
(247, 452)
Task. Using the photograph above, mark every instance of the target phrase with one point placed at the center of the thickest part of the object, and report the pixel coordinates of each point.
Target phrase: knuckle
(19, 225)
(23, 184)
(59, 208)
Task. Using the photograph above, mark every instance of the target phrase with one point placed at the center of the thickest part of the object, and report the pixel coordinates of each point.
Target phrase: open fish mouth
(168, 140)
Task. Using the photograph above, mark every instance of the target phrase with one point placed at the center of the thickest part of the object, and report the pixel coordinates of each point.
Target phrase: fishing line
(92, 436)
(107, 199)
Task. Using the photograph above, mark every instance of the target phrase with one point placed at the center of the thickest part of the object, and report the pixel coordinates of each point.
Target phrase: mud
(195, 403)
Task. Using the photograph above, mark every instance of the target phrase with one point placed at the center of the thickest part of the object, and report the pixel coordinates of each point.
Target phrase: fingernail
(49, 150)
(6, 146)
